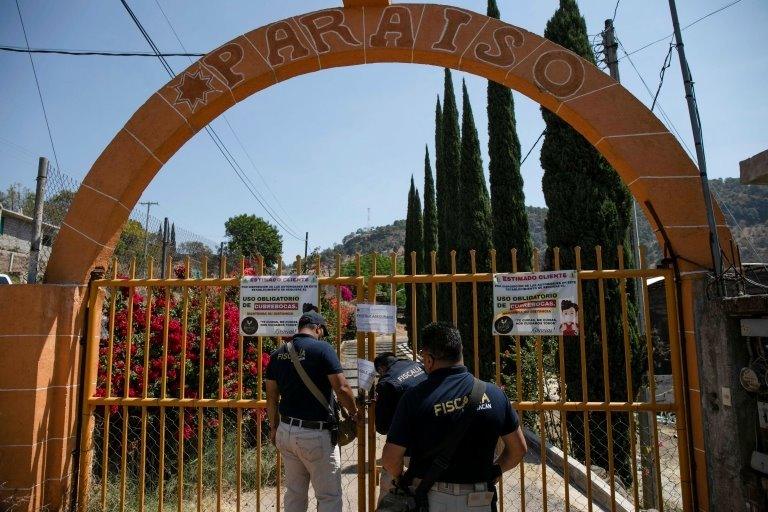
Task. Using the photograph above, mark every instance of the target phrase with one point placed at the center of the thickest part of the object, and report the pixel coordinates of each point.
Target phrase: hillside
(747, 203)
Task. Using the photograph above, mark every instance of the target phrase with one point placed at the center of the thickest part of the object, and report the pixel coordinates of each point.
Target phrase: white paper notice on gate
(378, 318)
(538, 303)
(272, 305)
(366, 373)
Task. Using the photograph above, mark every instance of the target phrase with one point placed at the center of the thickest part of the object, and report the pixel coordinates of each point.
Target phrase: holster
(334, 435)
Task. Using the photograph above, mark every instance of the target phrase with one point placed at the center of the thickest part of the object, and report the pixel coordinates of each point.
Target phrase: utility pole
(693, 112)
(37, 233)
(306, 246)
(148, 204)
(610, 47)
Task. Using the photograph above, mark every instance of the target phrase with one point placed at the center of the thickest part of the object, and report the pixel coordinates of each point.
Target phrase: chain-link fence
(145, 238)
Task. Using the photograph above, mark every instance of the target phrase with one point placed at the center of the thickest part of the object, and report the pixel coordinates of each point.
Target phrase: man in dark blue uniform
(396, 376)
(427, 416)
(303, 424)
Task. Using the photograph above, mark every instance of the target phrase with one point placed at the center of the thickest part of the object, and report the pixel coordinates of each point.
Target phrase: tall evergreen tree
(172, 250)
(449, 197)
(475, 232)
(430, 222)
(414, 242)
(510, 220)
(589, 206)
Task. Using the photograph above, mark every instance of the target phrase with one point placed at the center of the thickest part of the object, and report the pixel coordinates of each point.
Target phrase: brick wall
(40, 330)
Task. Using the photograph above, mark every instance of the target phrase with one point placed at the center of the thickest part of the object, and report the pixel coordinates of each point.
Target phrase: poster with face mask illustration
(535, 303)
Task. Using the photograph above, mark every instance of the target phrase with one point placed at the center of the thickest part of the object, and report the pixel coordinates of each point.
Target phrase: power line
(667, 63)
(532, 147)
(231, 129)
(99, 53)
(211, 132)
(223, 146)
(648, 45)
(37, 84)
(615, 10)
(664, 115)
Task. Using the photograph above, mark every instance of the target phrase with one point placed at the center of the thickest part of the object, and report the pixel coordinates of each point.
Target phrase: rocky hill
(743, 205)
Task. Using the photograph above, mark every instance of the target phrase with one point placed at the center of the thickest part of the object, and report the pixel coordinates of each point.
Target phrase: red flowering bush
(152, 346)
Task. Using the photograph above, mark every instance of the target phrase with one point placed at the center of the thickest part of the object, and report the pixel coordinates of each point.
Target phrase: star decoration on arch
(194, 89)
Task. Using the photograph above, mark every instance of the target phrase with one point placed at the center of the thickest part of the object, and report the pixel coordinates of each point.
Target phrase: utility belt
(310, 424)
(455, 489)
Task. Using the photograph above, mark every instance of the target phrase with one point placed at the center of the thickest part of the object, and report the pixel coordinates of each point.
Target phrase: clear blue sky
(327, 143)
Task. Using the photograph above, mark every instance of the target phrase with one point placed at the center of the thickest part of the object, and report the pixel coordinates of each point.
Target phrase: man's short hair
(384, 360)
(443, 341)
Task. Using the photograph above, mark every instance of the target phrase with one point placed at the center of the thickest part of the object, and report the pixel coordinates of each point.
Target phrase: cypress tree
(449, 197)
(430, 223)
(589, 206)
(510, 220)
(172, 250)
(414, 242)
(476, 232)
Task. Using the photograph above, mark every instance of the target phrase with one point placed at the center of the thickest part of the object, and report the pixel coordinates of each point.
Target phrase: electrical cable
(532, 147)
(211, 132)
(684, 28)
(37, 84)
(664, 115)
(667, 63)
(615, 10)
(99, 53)
(234, 133)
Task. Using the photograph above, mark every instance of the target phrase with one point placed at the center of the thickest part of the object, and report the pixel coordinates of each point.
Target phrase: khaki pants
(309, 457)
(444, 499)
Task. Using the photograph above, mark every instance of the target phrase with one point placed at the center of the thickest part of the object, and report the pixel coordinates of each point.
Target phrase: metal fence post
(37, 232)
(648, 464)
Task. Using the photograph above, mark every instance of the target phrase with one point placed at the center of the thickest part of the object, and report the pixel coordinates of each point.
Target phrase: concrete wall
(40, 331)
(731, 430)
(17, 232)
(15, 236)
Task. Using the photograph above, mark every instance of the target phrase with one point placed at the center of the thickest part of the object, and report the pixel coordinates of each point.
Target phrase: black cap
(313, 317)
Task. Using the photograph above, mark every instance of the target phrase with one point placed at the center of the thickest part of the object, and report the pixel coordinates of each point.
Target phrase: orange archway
(647, 156)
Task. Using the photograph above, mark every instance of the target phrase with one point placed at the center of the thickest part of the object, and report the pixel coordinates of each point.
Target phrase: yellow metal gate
(174, 408)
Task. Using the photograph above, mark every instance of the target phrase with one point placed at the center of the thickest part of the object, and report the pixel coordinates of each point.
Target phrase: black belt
(314, 425)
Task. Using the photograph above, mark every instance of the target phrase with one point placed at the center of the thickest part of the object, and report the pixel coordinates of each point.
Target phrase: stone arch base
(646, 155)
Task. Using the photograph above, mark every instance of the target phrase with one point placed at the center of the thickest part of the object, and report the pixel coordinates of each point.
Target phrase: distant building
(16, 230)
